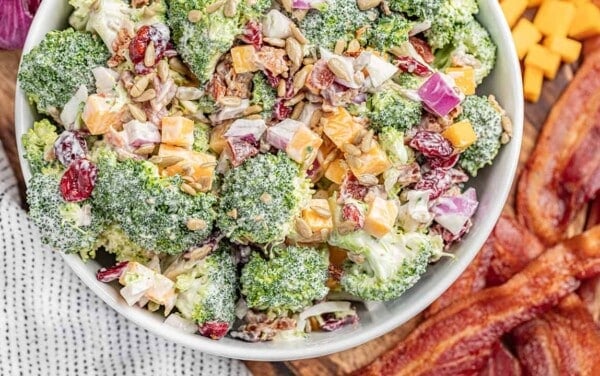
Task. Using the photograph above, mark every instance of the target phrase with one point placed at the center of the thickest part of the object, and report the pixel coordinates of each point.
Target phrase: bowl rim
(107, 294)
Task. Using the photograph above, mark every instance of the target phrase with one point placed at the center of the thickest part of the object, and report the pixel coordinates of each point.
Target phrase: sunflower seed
(139, 86)
(230, 8)
(281, 89)
(309, 61)
(214, 6)
(188, 179)
(346, 227)
(266, 198)
(196, 224)
(505, 138)
(294, 51)
(296, 33)
(353, 46)
(367, 142)
(297, 111)
(188, 93)
(254, 109)
(275, 42)
(321, 211)
(137, 113)
(145, 149)
(321, 194)
(303, 228)
(337, 68)
(330, 157)
(397, 51)
(150, 55)
(301, 76)
(194, 15)
(287, 5)
(230, 101)
(198, 253)
(178, 66)
(232, 213)
(315, 119)
(146, 96)
(354, 162)
(351, 150)
(340, 46)
(324, 234)
(165, 161)
(368, 180)
(188, 189)
(299, 14)
(199, 187)
(385, 7)
(295, 100)
(163, 70)
(367, 4)
(254, 117)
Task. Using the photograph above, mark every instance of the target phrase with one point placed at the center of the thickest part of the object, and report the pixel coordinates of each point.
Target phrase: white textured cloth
(52, 324)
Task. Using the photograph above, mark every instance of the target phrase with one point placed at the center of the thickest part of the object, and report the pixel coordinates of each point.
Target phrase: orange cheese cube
(340, 126)
(304, 146)
(513, 10)
(568, 49)
(374, 162)
(525, 35)
(586, 22)
(198, 166)
(336, 171)
(218, 142)
(533, 79)
(99, 114)
(542, 58)
(244, 59)
(555, 17)
(464, 77)
(177, 131)
(461, 134)
(534, 3)
(381, 217)
(317, 221)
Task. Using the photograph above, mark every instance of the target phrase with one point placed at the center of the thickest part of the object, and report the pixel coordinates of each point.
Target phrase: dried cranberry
(412, 65)
(271, 78)
(436, 181)
(351, 213)
(241, 150)
(444, 163)
(423, 49)
(78, 181)
(321, 77)
(159, 35)
(351, 188)
(113, 273)
(281, 111)
(214, 329)
(252, 34)
(70, 146)
(431, 144)
(332, 324)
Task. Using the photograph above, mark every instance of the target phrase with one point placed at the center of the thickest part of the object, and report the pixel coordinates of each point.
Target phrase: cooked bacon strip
(563, 341)
(514, 247)
(472, 280)
(458, 339)
(590, 289)
(566, 152)
(502, 363)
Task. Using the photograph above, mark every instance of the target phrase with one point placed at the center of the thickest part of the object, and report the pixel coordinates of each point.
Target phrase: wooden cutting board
(336, 364)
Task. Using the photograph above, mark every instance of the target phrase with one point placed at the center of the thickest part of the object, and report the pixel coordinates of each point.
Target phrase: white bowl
(493, 185)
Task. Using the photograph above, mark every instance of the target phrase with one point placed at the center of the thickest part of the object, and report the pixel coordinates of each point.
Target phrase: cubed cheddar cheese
(555, 17)
(244, 59)
(336, 171)
(314, 215)
(525, 35)
(177, 131)
(218, 142)
(374, 162)
(340, 126)
(533, 79)
(99, 114)
(198, 166)
(534, 3)
(542, 58)
(568, 49)
(381, 217)
(586, 22)
(513, 10)
(461, 134)
(464, 77)
(304, 146)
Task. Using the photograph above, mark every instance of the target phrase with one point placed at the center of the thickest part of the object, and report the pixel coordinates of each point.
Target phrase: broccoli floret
(37, 142)
(105, 17)
(155, 12)
(391, 264)
(254, 10)
(448, 18)
(389, 31)
(408, 81)
(420, 9)
(207, 290)
(389, 108)
(471, 46)
(115, 241)
(53, 71)
(337, 19)
(392, 142)
(261, 198)
(201, 137)
(291, 280)
(65, 226)
(152, 211)
(263, 94)
(487, 124)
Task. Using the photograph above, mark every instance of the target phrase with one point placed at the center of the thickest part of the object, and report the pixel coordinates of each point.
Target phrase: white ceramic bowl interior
(493, 185)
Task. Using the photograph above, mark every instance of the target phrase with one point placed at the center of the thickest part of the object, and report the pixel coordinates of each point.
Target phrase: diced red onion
(111, 274)
(280, 135)
(452, 213)
(227, 112)
(247, 130)
(276, 25)
(438, 97)
(139, 133)
(307, 4)
(106, 79)
(16, 16)
(380, 70)
(321, 308)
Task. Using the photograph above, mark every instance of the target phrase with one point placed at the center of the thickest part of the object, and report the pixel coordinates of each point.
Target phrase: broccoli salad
(260, 169)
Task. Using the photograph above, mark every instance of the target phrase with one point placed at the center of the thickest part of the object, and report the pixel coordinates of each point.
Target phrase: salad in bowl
(260, 169)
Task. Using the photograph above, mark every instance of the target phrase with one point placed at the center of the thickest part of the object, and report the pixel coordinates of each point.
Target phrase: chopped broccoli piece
(420, 9)
(201, 137)
(53, 71)
(447, 20)
(105, 17)
(263, 94)
(288, 282)
(487, 124)
(115, 241)
(254, 10)
(37, 142)
(338, 19)
(261, 198)
(152, 211)
(391, 264)
(207, 289)
(389, 31)
(408, 81)
(389, 108)
(65, 226)
(392, 142)
(155, 12)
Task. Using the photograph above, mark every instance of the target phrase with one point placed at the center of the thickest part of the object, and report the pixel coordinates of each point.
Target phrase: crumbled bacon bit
(422, 49)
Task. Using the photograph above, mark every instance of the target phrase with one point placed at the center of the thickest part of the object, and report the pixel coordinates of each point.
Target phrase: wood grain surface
(336, 364)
